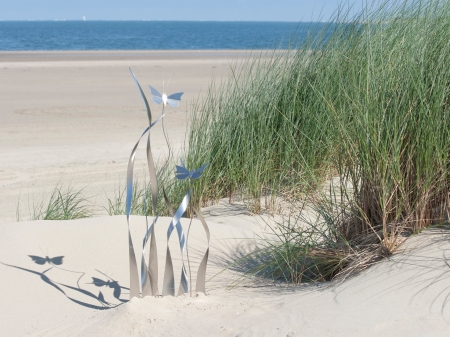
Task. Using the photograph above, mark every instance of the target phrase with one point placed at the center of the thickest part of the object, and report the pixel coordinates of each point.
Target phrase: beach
(72, 118)
(403, 296)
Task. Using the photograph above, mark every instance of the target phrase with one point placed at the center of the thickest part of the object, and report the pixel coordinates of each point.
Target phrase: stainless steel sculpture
(169, 280)
(172, 100)
(149, 274)
(200, 285)
(147, 283)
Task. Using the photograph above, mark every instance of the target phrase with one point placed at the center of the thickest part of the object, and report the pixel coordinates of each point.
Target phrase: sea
(152, 35)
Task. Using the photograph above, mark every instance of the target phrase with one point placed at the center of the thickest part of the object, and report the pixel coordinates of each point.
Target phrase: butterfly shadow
(83, 296)
(113, 284)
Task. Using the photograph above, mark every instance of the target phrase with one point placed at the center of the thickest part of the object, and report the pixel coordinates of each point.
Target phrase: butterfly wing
(38, 260)
(202, 168)
(157, 97)
(195, 175)
(98, 282)
(198, 173)
(172, 99)
(172, 103)
(182, 173)
(181, 169)
(176, 96)
(57, 260)
(101, 298)
(154, 91)
(117, 291)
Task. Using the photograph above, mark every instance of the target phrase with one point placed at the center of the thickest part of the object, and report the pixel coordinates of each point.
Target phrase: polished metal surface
(201, 273)
(169, 282)
(149, 274)
(147, 283)
(172, 99)
(183, 173)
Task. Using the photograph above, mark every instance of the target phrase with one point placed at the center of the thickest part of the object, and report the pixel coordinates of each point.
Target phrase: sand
(406, 295)
(74, 117)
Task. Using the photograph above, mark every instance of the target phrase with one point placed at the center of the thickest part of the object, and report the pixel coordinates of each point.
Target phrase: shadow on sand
(79, 295)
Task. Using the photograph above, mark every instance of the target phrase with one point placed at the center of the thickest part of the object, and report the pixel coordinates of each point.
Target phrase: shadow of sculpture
(79, 295)
(113, 284)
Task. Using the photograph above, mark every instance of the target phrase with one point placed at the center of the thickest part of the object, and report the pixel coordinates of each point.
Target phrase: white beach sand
(74, 117)
(406, 295)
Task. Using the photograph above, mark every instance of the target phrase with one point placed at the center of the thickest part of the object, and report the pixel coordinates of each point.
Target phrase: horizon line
(150, 20)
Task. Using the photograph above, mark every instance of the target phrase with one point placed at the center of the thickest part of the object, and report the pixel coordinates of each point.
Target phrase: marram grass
(368, 104)
(64, 203)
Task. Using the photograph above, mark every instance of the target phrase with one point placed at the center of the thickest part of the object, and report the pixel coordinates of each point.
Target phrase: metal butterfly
(183, 173)
(58, 260)
(171, 99)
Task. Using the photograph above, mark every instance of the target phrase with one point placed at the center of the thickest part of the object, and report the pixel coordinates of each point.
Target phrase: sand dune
(74, 117)
(406, 295)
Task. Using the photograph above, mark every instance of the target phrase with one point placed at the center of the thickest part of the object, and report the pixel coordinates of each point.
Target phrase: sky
(197, 10)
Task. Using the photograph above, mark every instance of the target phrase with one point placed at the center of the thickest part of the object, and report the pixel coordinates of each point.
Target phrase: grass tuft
(64, 204)
(365, 103)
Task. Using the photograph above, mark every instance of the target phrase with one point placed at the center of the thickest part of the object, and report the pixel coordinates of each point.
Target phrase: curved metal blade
(168, 285)
(201, 273)
(148, 282)
(134, 273)
(147, 107)
(169, 279)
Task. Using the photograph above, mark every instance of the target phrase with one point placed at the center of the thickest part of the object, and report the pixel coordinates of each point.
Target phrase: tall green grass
(142, 201)
(366, 100)
(64, 203)
(260, 131)
(387, 95)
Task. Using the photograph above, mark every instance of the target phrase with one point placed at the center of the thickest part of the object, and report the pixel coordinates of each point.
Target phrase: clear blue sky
(223, 10)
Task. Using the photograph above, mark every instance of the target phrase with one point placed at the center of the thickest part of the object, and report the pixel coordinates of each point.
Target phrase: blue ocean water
(149, 35)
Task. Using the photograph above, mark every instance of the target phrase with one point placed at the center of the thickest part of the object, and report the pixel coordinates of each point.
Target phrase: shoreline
(114, 55)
